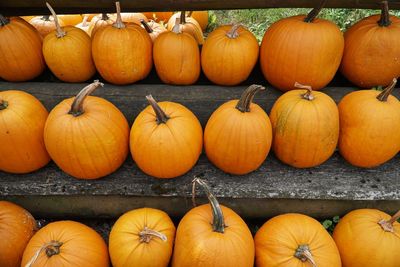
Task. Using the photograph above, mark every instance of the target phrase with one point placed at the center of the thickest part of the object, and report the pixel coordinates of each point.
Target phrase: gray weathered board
(333, 188)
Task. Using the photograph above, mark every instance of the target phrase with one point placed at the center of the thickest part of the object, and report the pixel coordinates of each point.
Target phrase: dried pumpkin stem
(3, 104)
(308, 95)
(160, 114)
(85, 22)
(189, 14)
(118, 23)
(77, 105)
(387, 226)
(177, 26)
(104, 16)
(183, 17)
(147, 234)
(146, 26)
(384, 21)
(60, 33)
(387, 91)
(3, 20)
(52, 248)
(315, 11)
(247, 97)
(46, 18)
(233, 32)
(303, 253)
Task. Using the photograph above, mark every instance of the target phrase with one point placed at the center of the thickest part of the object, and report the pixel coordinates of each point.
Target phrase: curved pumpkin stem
(247, 97)
(303, 253)
(146, 26)
(60, 33)
(183, 17)
(160, 114)
(146, 234)
(119, 24)
(387, 91)
(233, 32)
(314, 12)
(308, 95)
(384, 21)
(387, 226)
(52, 248)
(3, 104)
(3, 20)
(77, 105)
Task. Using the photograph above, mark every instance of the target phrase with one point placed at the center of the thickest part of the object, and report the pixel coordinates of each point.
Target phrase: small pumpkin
(84, 25)
(44, 24)
(188, 25)
(158, 16)
(229, 54)
(212, 235)
(17, 226)
(71, 19)
(142, 237)
(153, 28)
(369, 127)
(201, 17)
(87, 136)
(66, 243)
(166, 139)
(100, 21)
(90, 16)
(122, 52)
(22, 120)
(295, 240)
(21, 57)
(368, 237)
(305, 125)
(238, 135)
(133, 18)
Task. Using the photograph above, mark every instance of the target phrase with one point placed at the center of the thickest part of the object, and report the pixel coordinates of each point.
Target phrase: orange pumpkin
(21, 56)
(142, 237)
(158, 16)
(90, 16)
(100, 21)
(295, 240)
(166, 139)
(122, 52)
(201, 17)
(17, 226)
(188, 25)
(87, 136)
(84, 25)
(229, 54)
(71, 19)
(301, 49)
(238, 134)
(305, 125)
(44, 24)
(212, 235)
(22, 120)
(66, 243)
(27, 18)
(133, 18)
(153, 29)
(369, 127)
(368, 237)
(372, 48)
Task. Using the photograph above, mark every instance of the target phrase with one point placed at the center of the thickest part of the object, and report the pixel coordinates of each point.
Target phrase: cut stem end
(388, 226)
(3, 104)
(247, 97)
(303, 253)
(308, 95)
(387, 91)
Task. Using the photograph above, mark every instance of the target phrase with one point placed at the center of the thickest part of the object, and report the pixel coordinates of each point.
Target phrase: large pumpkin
(22, 120)
(295, 240)
(44, 24)
(100, 21)
(17, 226)
(212, 235)
(229, 54)
(188, 25)
(369, 127)
(301, 49)
(66, 243)
(87, 136)
(122, 53)
(305, 126)
(166, 139)
(368, 237)
(142, 237)
(21, 56)
(153, 28)
(238, 134)
(177, 57)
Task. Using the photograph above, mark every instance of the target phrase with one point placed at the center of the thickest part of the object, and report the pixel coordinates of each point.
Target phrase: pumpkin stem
(84, 22)
(46, 18)
(77, 105)
(387, 226)
(247, 97)
(59, 31)
(315, 11)
(146, 234)
(3, 20)
(52, 248)
(303, 253)
(189, 14)
(233, 32)
(308, 95)
(177, 27)
(118, 23)
(387, 91)
(183, 17)
(384, 21)
(146, 26)
(3, 104)
(104, 16)
(218, 224)
(160, 114)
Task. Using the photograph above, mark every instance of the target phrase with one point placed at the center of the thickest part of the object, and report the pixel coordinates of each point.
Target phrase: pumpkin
(371, 51)
(301, 49)
(66, 243)
(100, 21)
(44, 24)
(87, 136)
(369, 127)
(21, 56)
(238, 135)
(153, 28)
(122, 52)
(177, 57)
(71, 19)
(229, 54)
(305, 125)
(201, 17)
(158, 16)
(27, 18)
(188, 25)
(67, 52)
(295, 240)
(142, 237)
(212, 235)
(84, 25)
(22, 120)
(166, 139)
(133, 17)
(90, 16)
(368, 237)
(17, 226)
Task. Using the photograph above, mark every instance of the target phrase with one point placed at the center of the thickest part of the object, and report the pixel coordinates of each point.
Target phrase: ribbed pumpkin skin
(122, 56)
(69, 57)
(305, 131)
(295, 51)
(277, 240)
(371, 54)
(362, 241)
(44, 25)
(229, 61)
(125, 246)
(91, 145)
(82, 246)
(177, 58)
(369, 129)
(21, 133)
(21, 56)
(197, 245)
(17, 226)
